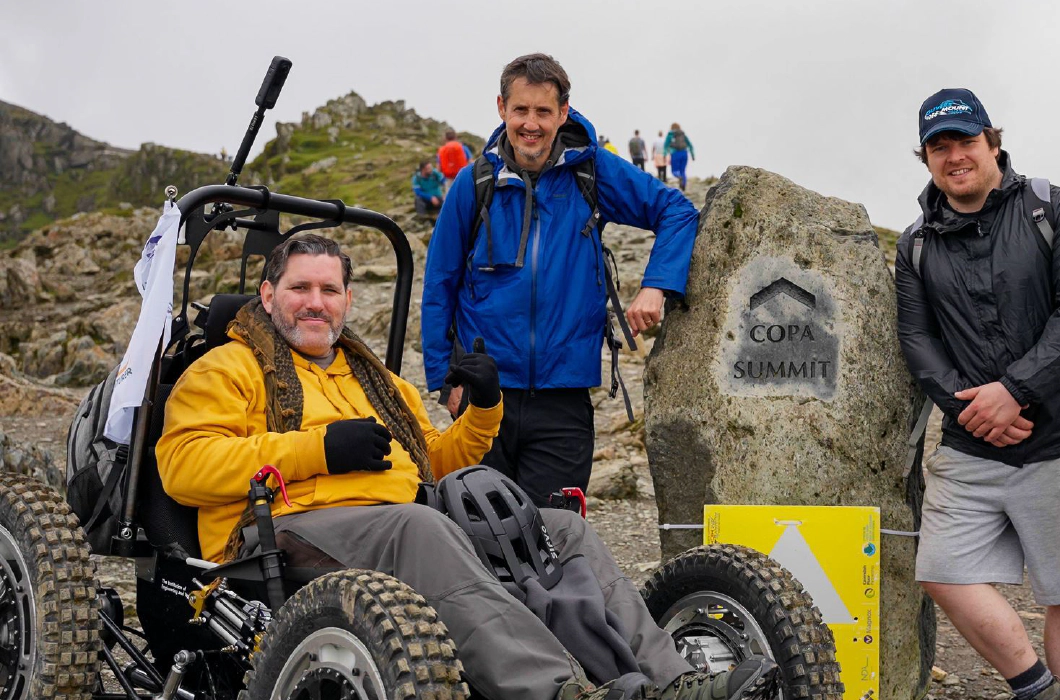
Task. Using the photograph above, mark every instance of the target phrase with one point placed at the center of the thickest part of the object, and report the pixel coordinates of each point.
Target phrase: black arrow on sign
(783, 286)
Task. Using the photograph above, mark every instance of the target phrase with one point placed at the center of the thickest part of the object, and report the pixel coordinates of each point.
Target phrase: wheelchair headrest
(223, 309)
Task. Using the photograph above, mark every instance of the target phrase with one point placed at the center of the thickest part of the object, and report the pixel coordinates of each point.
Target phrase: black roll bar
(261, 200)
(336, 211)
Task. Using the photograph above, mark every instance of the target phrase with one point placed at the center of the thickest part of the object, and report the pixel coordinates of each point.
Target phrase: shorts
(982, 520)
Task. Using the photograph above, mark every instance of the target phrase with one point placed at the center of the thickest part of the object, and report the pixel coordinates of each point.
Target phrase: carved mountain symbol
(783, 286)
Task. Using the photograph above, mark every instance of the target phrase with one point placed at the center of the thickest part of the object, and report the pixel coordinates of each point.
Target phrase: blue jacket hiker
(678, 146)
(533, 285)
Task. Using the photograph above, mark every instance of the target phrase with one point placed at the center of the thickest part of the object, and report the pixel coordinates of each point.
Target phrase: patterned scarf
(284, 398)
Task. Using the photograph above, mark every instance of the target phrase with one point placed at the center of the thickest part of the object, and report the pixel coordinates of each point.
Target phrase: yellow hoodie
(215, 440)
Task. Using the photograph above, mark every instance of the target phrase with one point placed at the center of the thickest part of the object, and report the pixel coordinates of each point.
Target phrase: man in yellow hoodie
(295, 389)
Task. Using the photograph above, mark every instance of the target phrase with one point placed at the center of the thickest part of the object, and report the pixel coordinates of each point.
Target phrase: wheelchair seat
(168, 524)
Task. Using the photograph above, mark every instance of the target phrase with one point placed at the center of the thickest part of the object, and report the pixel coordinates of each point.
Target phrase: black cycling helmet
(505, 527)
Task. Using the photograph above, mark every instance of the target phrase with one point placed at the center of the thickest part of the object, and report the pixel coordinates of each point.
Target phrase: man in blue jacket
(533, 284)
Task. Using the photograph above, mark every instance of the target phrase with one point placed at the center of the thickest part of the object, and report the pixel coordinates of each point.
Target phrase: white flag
(154, 279)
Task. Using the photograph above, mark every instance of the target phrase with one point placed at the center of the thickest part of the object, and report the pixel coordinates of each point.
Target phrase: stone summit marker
(780, 381)
(779, 337)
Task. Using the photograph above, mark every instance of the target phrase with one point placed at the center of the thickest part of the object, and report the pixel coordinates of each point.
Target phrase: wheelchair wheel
(725, 602)
(355, 635)
(49, 623)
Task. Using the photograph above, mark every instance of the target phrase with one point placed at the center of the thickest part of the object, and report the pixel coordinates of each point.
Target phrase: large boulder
(780, 381)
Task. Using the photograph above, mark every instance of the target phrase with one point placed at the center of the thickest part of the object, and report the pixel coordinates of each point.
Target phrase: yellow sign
(834, 552)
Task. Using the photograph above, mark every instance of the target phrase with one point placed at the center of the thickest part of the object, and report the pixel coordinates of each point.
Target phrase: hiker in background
(679, 148)
(606, 144)
(637, 150)
(977, 279)
(529, 278)
(452, 156)
(427, 186)
(659, 157)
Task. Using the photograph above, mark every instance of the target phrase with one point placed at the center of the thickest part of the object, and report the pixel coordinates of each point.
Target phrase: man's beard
(295, 336)
(531, 155)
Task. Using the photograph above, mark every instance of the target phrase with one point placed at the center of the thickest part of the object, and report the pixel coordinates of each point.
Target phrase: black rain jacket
(985, 308)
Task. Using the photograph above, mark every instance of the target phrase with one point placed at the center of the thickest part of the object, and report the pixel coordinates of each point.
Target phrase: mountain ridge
(67, 301)
(49, 171)
(363, 154)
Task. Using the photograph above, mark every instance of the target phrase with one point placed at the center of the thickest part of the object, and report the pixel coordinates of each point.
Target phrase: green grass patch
(888, 242)
(35, 221)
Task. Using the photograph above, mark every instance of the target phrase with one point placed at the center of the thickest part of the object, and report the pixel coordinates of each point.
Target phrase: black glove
(477, 373)
(357, 444)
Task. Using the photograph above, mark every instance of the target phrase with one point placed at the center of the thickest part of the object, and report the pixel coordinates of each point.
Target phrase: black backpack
(95, 468)
(678, 142)
(585, 176)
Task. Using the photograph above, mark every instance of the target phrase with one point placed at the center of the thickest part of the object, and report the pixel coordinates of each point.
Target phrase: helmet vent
(517, 495)
(471, 508)
(500, 507)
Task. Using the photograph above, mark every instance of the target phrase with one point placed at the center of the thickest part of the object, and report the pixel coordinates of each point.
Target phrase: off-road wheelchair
(257, 628)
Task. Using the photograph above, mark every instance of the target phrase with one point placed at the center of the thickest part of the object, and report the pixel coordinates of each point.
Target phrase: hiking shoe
(1051, 692)
(756, 678)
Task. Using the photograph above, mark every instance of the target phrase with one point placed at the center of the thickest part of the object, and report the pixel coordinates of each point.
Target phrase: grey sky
(824, 92)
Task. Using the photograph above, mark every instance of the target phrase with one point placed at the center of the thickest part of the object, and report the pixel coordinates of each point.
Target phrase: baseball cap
(952, 109)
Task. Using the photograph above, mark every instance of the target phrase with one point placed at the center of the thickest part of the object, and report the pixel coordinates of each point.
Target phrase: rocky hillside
(49, 171)
(346, 149)
(67, 300)
(34, 149)
(364, 155)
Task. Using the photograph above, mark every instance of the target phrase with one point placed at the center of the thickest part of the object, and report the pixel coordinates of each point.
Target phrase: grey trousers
(507, 652)
(984, 519)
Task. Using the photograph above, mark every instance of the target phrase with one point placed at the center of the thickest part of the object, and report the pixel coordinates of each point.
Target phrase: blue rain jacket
(541, 306)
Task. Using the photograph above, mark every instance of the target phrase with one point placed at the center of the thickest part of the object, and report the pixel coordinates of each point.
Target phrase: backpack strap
(1039, 211)
(613, 343)
(482, 176)
(610, 273)
(585, 175)
(485, 184)
(918, 432)
(117, 470)
(918, 243)
(1043, 216)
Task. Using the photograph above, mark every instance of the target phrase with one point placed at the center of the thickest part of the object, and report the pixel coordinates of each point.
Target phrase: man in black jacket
(978, 283)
